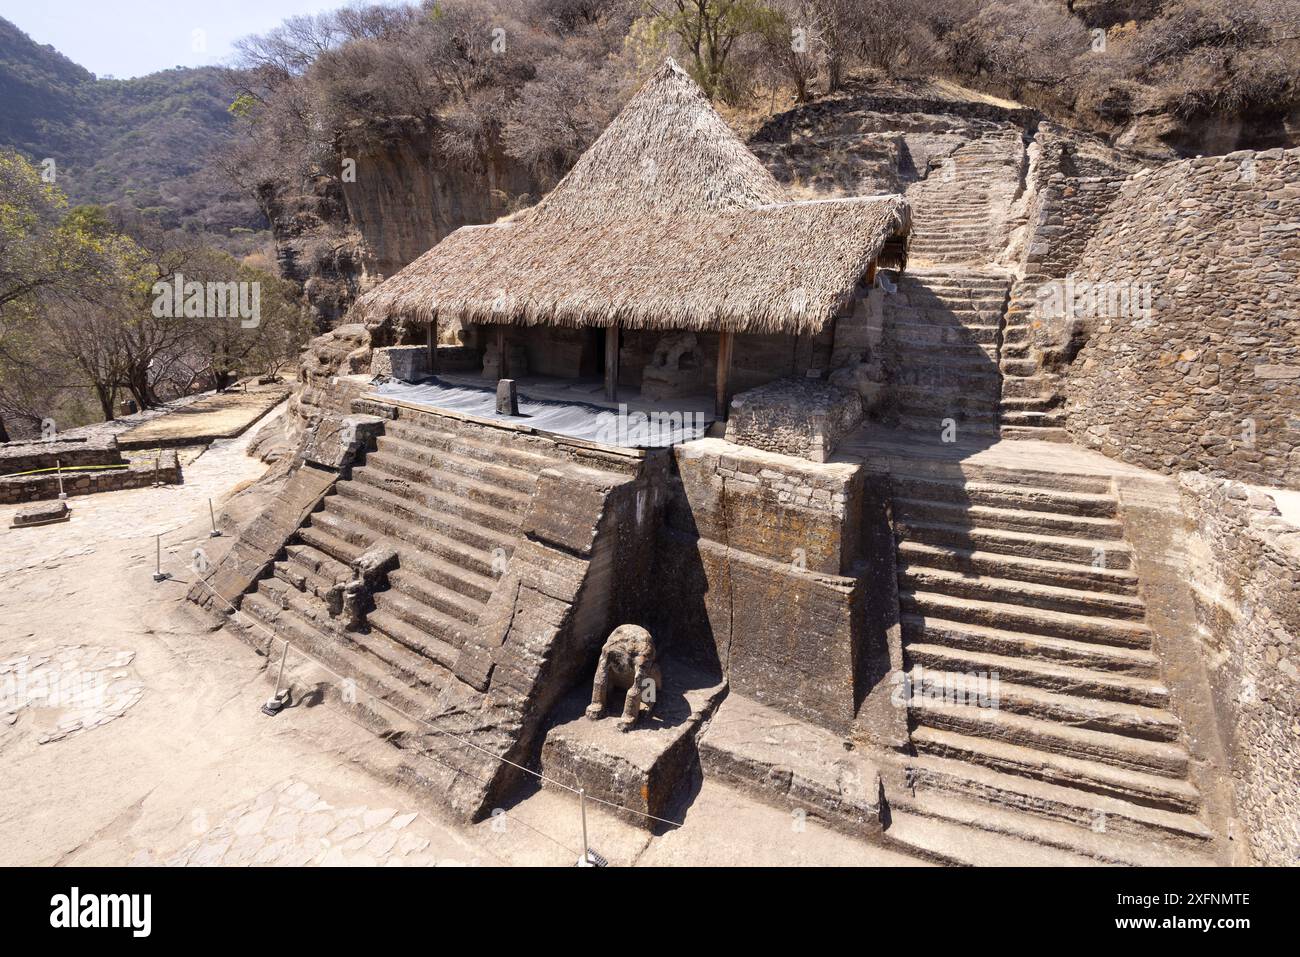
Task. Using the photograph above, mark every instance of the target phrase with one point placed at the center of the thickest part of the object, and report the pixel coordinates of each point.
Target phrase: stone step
(1033, 420)
(323, 540)
(918, 397)
(434, 499)
(957, 845)
(1037, 433)
(1031, 621)
(1027, 662)
(450, 601)
(1022, 368)
(1029, 594)
(1072, 712)
(1021, 476)
(1094, 777)
(318, 562)
(1160, 758)
(930, 424)
(982, 377)
(933, 333)
(375, 663)
(507, 490)
(1027, 387)
(407, 516)
(1014, 519)
(955, 316)
(1106, 554)
(974, 492)
(503, 447)
(1034, 403)
(1035, 570)
(302, 579)
(361, 525)
(483, 473)
(943, 354)
(1103, 829)
(433, 636)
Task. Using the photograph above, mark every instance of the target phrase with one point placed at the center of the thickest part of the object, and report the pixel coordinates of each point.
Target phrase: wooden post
(723, 400)
(611, 363)
(433, 346)
(503, 371)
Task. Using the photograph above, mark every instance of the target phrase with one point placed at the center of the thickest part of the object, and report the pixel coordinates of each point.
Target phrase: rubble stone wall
(1245, 569)
(139, 474)
(1209, 380)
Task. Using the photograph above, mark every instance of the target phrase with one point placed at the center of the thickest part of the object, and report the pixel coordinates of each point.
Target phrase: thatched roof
(667, 221)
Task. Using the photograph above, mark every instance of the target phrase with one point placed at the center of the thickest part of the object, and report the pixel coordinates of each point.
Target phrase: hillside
(143, 144)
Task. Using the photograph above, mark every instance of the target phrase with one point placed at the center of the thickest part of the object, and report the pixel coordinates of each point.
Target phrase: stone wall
(138, 474)
(1210, 378)
(770, 569)
(1245, 571)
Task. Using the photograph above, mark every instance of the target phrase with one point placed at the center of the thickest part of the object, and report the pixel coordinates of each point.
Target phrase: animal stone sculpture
(627, 663)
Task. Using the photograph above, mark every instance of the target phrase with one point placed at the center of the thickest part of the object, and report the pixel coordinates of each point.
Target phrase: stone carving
(673, 371)
(627, 663)
(350, 600)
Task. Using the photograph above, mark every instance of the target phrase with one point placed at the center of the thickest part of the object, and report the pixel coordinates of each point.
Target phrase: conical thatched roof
(668, 151)
(667, 221)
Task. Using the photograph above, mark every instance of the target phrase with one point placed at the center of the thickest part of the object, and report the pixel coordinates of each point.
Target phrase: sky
(127, 38)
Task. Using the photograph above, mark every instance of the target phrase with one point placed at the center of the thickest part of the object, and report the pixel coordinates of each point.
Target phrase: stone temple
(935, 508)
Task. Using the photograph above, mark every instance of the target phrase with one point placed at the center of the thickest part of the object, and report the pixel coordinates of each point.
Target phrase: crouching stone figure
(350, 601)
(628, 663)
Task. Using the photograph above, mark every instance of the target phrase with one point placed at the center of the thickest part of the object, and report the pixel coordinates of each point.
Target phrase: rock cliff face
(395, 195)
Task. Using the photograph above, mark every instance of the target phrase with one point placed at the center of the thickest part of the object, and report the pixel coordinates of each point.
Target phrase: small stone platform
(793, 764)
(644, 769)
(42, 513)
(800, 417)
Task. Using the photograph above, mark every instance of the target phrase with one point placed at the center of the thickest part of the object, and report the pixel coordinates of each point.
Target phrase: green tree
(709, 31)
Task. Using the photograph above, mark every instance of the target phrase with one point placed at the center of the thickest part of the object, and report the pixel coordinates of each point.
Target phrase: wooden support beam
(433, 346)
(723, 398)
(611, 363)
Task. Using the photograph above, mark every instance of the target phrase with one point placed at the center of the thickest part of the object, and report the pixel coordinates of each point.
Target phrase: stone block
(792, 765)
(42, 513)
(643, 770)
(800, 417)
(334, 441)
(405, 363)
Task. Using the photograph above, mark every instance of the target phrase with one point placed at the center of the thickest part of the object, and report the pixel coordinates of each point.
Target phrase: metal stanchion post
(159, 575)
(215, 533)
(58, 470)
(275, 704)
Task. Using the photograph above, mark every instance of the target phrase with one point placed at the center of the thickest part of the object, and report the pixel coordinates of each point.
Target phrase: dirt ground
(130, 733)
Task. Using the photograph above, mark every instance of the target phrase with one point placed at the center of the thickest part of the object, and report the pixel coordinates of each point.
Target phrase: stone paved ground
(187, 770)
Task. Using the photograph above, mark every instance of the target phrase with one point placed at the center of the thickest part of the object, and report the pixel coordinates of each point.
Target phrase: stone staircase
(1031, 399)
(959, 209)
(451, 497)
(941, 342)
(1026, 576)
